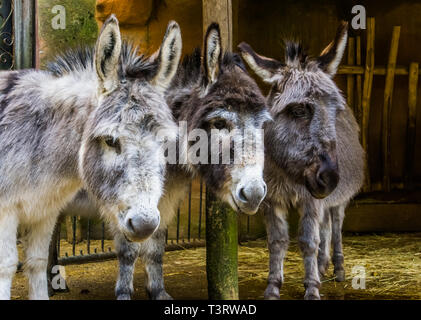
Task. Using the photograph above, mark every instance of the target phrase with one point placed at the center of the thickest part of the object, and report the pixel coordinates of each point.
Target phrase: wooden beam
(412, 116)
(219, 11)
(387, 106)
(350, 79)
(378, 71)
(359, 92)
(368, 85)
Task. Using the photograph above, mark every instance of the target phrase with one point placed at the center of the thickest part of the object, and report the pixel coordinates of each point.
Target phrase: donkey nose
(141, 227)
(327, 178)
(251, 195)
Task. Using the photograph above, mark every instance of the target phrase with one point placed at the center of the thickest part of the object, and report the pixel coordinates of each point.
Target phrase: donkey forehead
(301, 86)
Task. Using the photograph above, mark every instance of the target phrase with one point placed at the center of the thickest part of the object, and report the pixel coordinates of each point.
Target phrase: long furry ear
(168, 57)
(213, 53)
(331, 56)
(264, 67)
(107, 55)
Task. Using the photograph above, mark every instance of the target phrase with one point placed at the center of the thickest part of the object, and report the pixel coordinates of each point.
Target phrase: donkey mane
(132, 65)
(190, 69)
(296, 56)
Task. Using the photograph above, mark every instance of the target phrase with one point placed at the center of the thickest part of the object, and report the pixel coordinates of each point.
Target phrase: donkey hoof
(271, 293)
(339, 275)
(312, 294)
(163, 295)
(124, 296)
(323, 267)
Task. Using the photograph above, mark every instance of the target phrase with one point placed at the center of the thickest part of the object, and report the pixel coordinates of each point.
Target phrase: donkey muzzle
(250, 195)
(140, 226)
(324, 180)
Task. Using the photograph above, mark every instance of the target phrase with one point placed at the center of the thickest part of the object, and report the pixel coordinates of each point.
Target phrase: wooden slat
(359, 92)
(350, 79)
(378, 71)
(219, 11)
(387, 106)
(412, 114)
(368, 84)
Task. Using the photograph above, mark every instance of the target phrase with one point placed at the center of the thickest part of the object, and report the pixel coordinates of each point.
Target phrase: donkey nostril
(130, 223)
(242, 196)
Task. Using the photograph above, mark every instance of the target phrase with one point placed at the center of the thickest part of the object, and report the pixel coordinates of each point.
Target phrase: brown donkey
(314, 161)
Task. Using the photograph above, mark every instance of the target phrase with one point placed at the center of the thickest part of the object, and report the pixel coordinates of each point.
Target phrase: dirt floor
(392, 265)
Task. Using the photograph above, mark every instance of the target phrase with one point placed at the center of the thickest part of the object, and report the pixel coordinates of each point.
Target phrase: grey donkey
(208, 93)
(314, 161)
(90, 123)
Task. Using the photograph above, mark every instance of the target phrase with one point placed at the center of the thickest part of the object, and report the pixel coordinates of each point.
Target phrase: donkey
(314, 161)
(91, 124)
(213, 92)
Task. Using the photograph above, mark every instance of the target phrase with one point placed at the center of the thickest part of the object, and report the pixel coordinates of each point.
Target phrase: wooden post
(221, 250)
(368, 85)
(24, 33)
(221, 221)
(219, 11)
(358, 105)
(387, 106)
(412, 115)
(350, 82)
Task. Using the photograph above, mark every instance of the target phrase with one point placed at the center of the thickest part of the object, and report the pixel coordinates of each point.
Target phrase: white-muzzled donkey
(90, 122)
(314, 160)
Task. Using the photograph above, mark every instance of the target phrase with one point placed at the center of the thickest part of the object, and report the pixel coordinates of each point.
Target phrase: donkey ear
(107, 55)
(168, 57)
(264, 67)
(331, 56)
(213, 53)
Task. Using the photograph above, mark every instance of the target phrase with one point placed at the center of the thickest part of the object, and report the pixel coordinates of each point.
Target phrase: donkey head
(304, 102)
(121, 158)
(229, 106)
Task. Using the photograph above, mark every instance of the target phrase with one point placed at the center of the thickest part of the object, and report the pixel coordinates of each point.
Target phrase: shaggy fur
(203, 96)
(314, 161)
(91, 122)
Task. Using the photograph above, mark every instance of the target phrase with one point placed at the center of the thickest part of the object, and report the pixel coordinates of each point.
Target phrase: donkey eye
(299, 110)
(113, 143)
(219, 124)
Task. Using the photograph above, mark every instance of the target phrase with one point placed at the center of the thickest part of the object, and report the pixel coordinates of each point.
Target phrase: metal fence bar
(88, 237)
(200, 208)
(189, 216)
(74, 236)
(178, 224)
(103, 236)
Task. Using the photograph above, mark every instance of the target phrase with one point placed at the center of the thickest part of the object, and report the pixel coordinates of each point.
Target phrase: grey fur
(90, 122)
(312, 129)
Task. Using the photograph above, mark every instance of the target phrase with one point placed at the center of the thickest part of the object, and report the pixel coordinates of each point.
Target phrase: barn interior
(379, 77)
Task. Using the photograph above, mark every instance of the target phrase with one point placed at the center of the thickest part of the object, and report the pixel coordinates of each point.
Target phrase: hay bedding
(392, 263)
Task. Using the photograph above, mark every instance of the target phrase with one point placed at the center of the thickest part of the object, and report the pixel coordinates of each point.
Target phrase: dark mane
(295, 53)
(132, 65)
(190, 69)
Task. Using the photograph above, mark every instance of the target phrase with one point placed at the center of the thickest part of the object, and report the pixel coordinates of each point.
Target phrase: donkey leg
(309, 240)
(8, 252)
(36, 244)
(325, 238)
(277, 233)
(338, 214)
(152, 253)
(127, 253)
